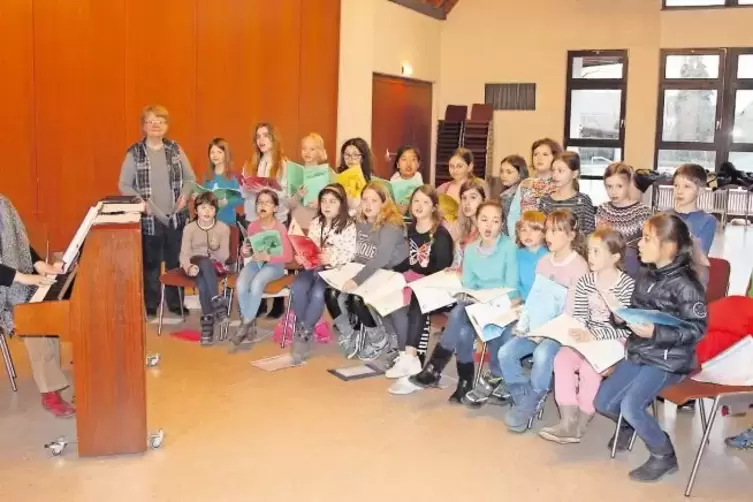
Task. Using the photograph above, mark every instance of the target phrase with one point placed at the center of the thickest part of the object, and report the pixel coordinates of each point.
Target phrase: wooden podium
(104, 320)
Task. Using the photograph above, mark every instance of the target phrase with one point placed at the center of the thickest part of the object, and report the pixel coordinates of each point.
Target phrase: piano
(97, 306)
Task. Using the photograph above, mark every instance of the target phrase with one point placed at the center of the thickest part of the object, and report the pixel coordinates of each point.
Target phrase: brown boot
(583, 420)
(566, 431)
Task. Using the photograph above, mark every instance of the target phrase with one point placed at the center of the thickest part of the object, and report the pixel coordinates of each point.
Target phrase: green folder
(403, 189)
(295, 176)
(314, 179)
(219, 193)
(268, 241)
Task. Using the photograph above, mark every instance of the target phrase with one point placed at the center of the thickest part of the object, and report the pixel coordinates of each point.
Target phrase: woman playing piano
(21, 270)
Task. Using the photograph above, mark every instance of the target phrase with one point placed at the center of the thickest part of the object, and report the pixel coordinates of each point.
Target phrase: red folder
(257, 183)
(308, 251)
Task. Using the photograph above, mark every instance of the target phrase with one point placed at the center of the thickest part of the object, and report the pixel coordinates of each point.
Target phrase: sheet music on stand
(69, 257)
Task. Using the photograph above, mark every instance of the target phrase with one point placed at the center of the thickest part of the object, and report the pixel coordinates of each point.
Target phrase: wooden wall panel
(320, 48)
(84, 70)
(19, 182)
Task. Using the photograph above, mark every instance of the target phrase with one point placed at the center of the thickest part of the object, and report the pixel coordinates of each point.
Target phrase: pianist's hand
(33, 279)
(44, 268)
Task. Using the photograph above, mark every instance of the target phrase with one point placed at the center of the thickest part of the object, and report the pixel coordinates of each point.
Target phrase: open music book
(600, 354)
(69, 257)
(444, 288)
(382, 291)
(734, 366)
(499, 312)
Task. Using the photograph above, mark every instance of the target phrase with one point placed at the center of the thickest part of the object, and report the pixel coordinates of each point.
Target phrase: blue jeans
(503, 335)
(629, 390)
(307, 298)
(459, 334)
(251, 283)
(543, 362)
(207, 283)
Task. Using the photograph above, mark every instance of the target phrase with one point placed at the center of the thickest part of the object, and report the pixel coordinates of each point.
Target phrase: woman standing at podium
(20, 269)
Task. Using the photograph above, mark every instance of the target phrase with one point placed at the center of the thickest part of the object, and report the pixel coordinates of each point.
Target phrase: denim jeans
(543, 362)
(629, 390)
(251, 283)
(307, 298)
(503, 335)
(459, 334)
(208, 285)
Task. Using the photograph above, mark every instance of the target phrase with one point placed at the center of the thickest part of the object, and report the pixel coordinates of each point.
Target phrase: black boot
(623, 441)
(278, 308)
(207, 330)
(465, 382)
(432, 372)
(661, 462)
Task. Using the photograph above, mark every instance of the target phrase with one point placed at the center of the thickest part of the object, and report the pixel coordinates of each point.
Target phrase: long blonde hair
(318, 144)
(389, 214)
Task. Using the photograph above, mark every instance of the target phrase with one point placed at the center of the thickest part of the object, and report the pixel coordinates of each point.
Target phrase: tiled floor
(235, 433)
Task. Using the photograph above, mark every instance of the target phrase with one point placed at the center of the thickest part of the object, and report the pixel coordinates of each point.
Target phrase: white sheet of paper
(117, 218)
(600, 354)
(498, 312)
(733, 366)
(123, 208)
(383, 291)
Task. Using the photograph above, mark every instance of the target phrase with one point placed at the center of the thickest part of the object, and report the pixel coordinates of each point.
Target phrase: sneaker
(403, 387)
(743, 441)
(479, 395)
(55, 404)
(406, 365)
(373, 346)
(300, 349)
(219, 308)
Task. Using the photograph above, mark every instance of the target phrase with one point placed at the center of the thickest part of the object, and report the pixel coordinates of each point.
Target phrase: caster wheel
(152, 360)
(56, 447)
(156, 439)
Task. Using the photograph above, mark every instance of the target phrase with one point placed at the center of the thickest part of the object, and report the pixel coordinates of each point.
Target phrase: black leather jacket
(675, 290)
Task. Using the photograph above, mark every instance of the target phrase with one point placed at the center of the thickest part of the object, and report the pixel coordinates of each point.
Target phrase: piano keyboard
(54, 291)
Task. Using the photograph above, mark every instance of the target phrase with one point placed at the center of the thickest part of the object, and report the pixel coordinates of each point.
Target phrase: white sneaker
(403, 386)
(406, 366)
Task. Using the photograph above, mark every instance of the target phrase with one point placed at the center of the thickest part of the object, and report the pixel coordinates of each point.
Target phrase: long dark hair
(223, 145)
(366, 158)
(433, 195)
(670, 228)
(404, 149)
(572, 161)
(343, 217)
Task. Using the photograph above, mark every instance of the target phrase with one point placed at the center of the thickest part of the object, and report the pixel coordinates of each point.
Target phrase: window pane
(689, 115)
(595, 67)
(692, 66)
(743, 129)
(594, 160)
(743, 161)
(745, 2)
(745, 63)
(694, 3)
(669, 160)
(595, 114)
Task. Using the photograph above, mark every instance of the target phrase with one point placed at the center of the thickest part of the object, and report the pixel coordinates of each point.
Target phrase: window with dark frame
(595, 108)
(704, 4)
(705, 109)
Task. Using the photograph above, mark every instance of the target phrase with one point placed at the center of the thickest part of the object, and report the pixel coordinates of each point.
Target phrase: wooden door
(400, 115)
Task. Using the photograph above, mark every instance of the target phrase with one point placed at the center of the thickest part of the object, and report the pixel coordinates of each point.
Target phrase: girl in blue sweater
(220, 177)
(489, 262)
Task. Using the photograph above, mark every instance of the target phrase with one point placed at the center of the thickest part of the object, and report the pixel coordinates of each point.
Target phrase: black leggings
(419, 326)
(354, 303)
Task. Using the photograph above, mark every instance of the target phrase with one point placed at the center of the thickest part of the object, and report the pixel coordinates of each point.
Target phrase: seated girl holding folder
(263, 267)
(380, 244)
(334, 232)
(576, 382)
(489, 262)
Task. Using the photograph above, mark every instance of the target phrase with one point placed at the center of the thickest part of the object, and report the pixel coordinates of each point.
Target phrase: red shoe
(52, 402)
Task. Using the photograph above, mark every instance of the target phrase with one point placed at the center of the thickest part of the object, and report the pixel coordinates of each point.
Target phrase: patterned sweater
(591, 309)
(341, 245)
(626, 220)
(530, 192)
(579, 204)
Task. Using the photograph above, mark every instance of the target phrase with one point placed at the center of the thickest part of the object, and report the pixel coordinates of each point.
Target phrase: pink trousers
(575, 381)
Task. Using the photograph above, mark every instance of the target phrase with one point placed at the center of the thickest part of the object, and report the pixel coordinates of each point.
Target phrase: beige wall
(504, 41)
(379, 36)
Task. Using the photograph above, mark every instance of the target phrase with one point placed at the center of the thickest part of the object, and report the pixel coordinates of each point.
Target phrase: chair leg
(704, 417)
(161, 309)
(8, 360)
(539, 414)
(613, 453)
(480, 363)
(702, 447)
(180, 297)
(285, 321)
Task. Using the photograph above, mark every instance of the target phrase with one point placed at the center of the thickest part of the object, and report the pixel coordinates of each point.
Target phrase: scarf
(14, 252)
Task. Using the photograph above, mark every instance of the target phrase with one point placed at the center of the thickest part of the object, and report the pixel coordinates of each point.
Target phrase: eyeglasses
(157, 122)
(352, 156)
(264, 203)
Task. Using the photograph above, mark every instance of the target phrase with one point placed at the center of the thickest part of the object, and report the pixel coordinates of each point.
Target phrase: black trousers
(354, 303)
(164, 245)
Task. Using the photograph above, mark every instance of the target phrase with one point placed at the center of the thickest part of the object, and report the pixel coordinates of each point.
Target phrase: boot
(480, 393)
(278, 308)
(465, 382)
(583, 420)
(432, 372)
(55, 404)
(302, 340)
(625, 435)
(526, 403)
(219, 308)
(346, 334)
(566, 431)
(662, 461)
(243, 334)
(207, 330)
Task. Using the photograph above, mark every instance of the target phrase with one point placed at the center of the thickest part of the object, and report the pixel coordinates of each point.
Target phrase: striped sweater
(591, 309)
(579, 204)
